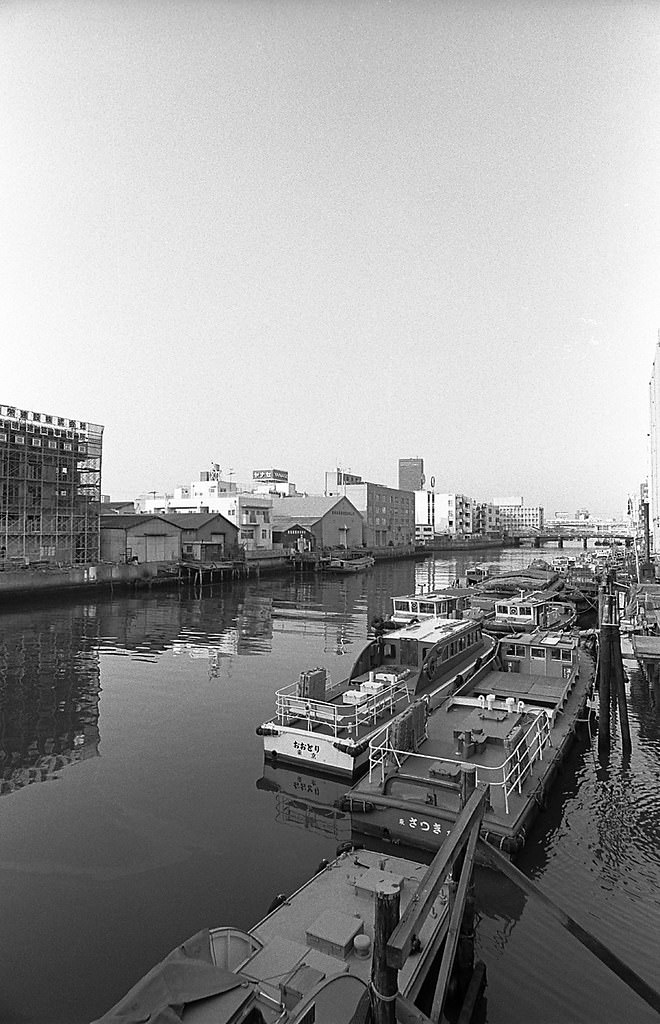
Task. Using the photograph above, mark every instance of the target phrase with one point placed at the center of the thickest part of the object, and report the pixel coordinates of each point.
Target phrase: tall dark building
(50, 488)
(411, 474)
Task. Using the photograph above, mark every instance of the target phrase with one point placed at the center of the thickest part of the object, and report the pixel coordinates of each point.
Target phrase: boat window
(389, 651)
(566, 655)
(426, 608)
(516, 651)
(555, 654)
(400, 606)
(524, 609)
(538, 653)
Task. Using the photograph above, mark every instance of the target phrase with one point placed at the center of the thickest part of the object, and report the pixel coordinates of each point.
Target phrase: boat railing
(339, 718)
(508, 776)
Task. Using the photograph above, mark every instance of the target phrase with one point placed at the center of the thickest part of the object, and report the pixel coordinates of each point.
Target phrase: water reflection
(167, 832)
(306, 801)
(49, 699)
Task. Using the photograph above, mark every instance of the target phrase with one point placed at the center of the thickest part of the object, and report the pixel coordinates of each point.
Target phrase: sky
(306, 234)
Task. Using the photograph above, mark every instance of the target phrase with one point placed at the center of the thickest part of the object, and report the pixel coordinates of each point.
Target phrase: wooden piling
(384, 981)
(604, 694)
(618, 681)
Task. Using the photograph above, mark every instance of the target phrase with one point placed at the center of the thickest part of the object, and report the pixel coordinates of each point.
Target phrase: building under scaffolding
(50, 489)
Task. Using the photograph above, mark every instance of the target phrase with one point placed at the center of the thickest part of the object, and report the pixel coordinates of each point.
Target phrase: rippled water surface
(135, 808)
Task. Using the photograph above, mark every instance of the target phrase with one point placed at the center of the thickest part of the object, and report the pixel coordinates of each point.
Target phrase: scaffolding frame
(50, 489)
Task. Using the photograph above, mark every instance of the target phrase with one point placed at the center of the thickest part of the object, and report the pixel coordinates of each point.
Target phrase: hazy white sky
(304, 233)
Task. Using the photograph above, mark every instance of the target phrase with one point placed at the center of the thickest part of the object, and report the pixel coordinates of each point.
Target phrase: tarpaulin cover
(184, 976)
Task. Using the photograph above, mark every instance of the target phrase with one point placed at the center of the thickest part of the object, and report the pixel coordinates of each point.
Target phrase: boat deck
(382, 707)
(542, 690)
(315, 927)
(461, 734)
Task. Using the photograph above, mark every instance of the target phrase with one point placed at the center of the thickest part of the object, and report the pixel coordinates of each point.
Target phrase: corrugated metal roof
(119, 522)
(195, 520)
(311, 508)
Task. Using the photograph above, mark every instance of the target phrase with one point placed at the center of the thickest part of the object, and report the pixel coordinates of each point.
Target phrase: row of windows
(36, 442)
(538, 653)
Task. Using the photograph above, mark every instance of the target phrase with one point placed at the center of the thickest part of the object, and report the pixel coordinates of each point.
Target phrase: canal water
(135, 807)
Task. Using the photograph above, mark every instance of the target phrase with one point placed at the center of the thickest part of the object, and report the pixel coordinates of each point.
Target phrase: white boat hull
(312, 751)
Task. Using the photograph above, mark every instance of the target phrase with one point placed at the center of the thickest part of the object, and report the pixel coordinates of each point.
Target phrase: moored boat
(309, 960)
(508, 727)
(443, 603)
(350, 563)
(529, 613)
(405, 672)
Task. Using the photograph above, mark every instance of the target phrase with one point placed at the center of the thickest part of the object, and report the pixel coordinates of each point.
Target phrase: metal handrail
(289, 706)
(509, 775)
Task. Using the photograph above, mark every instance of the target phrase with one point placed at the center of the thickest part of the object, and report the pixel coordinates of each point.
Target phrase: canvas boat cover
(186, 975)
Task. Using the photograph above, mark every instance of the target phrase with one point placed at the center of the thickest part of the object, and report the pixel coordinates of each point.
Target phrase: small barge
(400, 677)
(350, 563)
(509, 728)
(309, 960)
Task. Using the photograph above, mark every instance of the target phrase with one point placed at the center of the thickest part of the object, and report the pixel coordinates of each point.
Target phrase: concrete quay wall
(26, 582)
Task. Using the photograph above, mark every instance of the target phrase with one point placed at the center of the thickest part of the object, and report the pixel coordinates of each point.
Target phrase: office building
(411, 474)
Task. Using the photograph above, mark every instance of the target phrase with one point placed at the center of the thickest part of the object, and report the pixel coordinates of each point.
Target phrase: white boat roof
(542, 638)
(433, 595)
(431, 630)
(531, 599)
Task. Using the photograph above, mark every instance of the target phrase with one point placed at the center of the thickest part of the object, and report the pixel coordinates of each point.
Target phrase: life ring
(431, 667)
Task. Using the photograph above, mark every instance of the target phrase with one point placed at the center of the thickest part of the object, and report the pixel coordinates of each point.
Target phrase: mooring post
(618, 679)
(604, 672)
(384, 979)
(464, 961)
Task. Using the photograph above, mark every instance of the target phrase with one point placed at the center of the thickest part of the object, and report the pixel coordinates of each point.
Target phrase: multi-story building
(485, 518)
(426, 527)
(442, 514)
(199, 496)
(388, 513)
(50, 488)
(515, 515)
(252, 514)
(411, 474)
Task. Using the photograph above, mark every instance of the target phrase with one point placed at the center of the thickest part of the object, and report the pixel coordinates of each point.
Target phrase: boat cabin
(434, 644)
(530, 612)
(442, 604)
(553, 655)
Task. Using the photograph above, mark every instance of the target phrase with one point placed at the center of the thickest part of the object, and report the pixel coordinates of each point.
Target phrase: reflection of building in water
(254, 622)
(49, 699)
